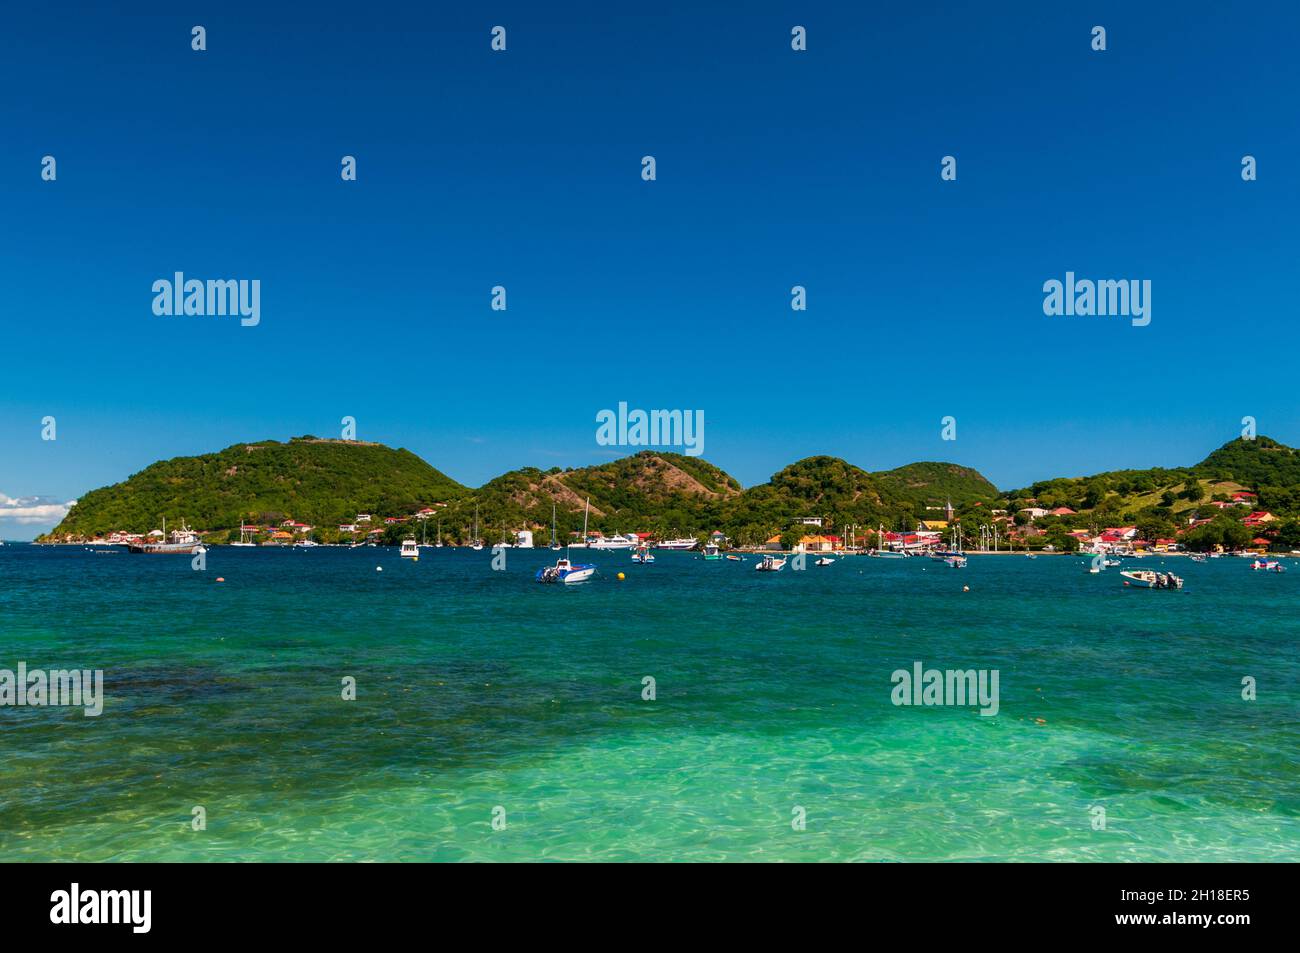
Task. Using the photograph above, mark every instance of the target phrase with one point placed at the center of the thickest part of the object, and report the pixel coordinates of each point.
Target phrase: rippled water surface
(479, 689)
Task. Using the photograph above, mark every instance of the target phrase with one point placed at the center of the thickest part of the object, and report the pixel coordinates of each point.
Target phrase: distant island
(1246, 494)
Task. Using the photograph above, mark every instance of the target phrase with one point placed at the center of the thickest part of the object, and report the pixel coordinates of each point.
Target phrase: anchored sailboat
(564, 570)
(475, 542)
(245, 533)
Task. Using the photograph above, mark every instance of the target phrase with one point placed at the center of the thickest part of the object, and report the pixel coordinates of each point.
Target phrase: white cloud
(33, 509)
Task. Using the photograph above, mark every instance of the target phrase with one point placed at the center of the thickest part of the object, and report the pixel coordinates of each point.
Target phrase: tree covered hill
(1163, 502)
(650, 491)
(322, 482)
(327, 482)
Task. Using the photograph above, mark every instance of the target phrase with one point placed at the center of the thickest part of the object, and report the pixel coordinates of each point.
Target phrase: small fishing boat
(824, 561)
(1148, 579)
(1270, 565)
(565, 571)
(306, 544)
(712, 552)
(956, 562)
(771, 564)
(886, 553)
(734, 558)
(1198, 557)
(409, 549)
(643, 555)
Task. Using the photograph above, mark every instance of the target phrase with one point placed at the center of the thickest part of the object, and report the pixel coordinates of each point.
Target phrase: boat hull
(165, 549)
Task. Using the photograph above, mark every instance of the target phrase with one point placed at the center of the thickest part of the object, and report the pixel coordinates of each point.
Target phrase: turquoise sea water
(480, 689)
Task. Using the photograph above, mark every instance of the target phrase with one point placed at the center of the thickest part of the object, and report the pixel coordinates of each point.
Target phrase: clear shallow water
(479, 688)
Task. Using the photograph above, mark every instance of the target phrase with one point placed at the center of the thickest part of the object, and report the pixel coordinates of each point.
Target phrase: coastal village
(1000, 532)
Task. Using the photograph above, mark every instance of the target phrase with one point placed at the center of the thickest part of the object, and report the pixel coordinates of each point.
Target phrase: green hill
(327, 482)
(841, 494)
(649, 492)
(1162, 501)
(322, 482)
(934, 484)
(1255, 463)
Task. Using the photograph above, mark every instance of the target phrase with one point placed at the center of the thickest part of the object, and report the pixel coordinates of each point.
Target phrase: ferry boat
(682, 544)
(613, 542)
(181, 542)
(409, 549)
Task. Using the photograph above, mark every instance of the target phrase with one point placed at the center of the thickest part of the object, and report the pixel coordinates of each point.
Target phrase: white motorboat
(770, 564)
(824, 561)
(1149, 579)
(613, 542)
(409, 549)
(678, 544)
(565, 571)
(1270, 565)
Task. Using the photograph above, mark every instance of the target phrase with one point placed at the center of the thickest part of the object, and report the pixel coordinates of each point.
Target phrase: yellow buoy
(621, 576)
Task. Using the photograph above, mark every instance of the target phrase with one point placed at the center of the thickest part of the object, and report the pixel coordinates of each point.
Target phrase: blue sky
(522, 169)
